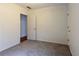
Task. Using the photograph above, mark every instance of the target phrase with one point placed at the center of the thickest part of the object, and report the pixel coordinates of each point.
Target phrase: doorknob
(69, 31)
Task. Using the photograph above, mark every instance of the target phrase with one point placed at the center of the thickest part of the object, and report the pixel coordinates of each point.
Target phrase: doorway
(23, 24)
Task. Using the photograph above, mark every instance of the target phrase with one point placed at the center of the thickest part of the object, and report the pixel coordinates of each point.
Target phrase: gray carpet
(37, 48)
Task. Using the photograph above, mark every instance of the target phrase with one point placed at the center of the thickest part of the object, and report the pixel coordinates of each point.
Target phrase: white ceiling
(40, 5)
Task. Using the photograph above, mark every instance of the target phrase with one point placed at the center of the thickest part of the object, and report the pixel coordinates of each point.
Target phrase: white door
(32, 28)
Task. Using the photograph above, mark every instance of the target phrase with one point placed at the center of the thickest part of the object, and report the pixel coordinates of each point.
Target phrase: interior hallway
(37, 48)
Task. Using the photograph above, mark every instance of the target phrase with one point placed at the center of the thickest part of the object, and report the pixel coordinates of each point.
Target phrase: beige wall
(74, 27)
(10, 25)
(51, 24)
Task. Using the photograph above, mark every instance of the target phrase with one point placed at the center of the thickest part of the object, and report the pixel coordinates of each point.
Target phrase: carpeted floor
(37, 48)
